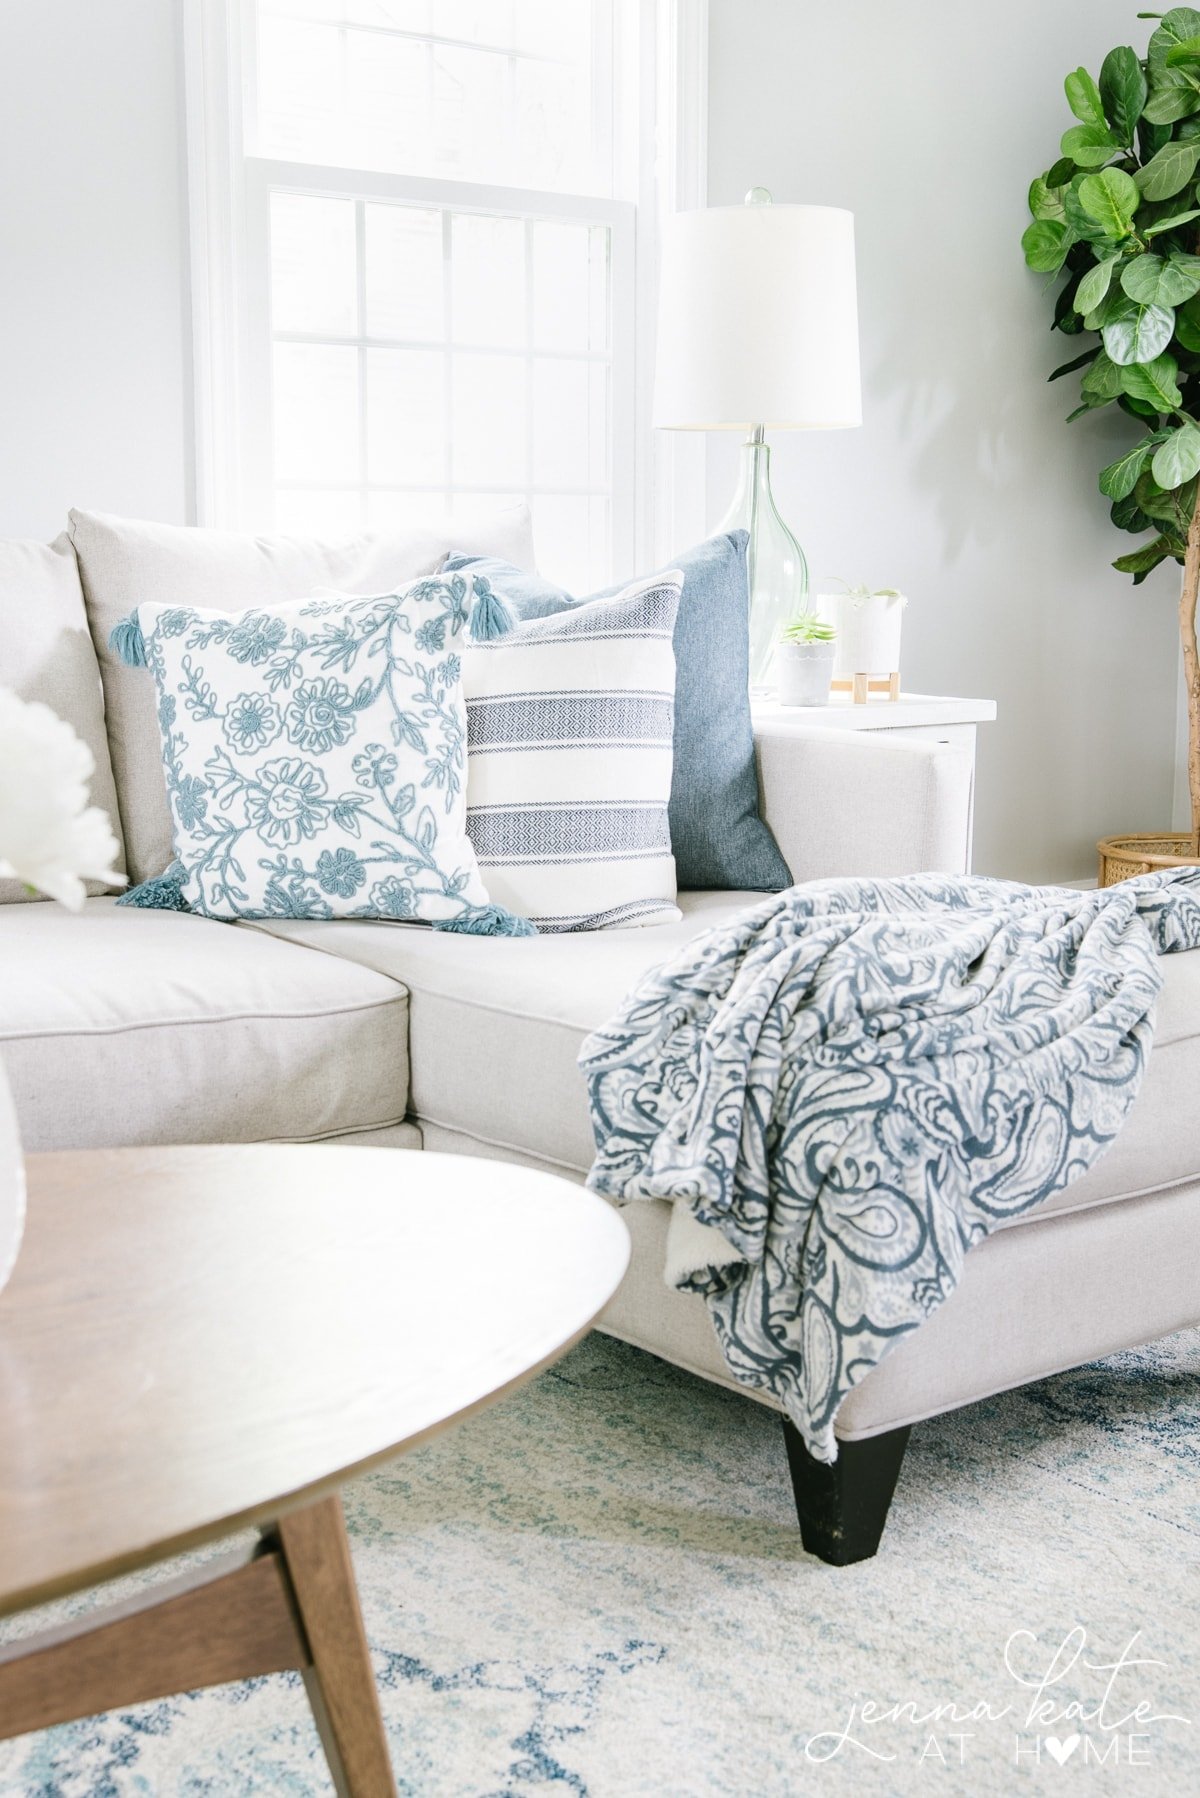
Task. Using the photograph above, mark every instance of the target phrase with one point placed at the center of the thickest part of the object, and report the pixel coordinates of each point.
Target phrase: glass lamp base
(778, 571)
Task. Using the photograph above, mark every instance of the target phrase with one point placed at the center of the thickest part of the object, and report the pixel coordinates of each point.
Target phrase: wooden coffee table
(199, 1339)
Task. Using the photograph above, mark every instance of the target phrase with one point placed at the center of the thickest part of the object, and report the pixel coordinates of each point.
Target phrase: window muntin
(441, 308)
(510, 92)
(433, 356)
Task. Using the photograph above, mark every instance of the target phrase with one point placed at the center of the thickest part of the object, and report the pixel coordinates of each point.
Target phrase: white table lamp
(758, 330)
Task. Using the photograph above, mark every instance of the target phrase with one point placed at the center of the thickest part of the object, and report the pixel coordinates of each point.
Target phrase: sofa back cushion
(125, 562)
(46, 654)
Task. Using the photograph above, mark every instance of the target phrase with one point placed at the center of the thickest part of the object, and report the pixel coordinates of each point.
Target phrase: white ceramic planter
(804, 671)
(12, 1184)
(868, 631)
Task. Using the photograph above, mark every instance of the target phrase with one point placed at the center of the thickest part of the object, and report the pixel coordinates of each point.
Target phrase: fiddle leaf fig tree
(1117, 216)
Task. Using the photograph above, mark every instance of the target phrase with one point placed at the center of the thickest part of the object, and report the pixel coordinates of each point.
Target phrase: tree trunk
(1191, 665)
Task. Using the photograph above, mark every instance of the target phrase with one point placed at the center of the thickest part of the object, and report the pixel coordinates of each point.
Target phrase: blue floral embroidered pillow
(315, 754)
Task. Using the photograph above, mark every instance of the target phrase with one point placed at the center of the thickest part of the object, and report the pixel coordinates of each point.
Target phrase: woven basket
(1123, 857)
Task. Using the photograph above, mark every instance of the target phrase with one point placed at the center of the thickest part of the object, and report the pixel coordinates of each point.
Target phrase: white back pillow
(125, 563)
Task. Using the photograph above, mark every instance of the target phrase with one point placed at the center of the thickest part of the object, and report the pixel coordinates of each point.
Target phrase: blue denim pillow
(717, 836)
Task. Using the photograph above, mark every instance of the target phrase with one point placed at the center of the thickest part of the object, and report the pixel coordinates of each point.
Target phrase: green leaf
(1155, 382)
(1119, 479)
(1169, 100)
(1066, 319)
(1134, 333)
(1184, 78)
(1157, 212)
(1079, 221)
(1151, 138)
(1123, 91)
(1111, 198)
(1183, 54)
(1045, 202)
(1091, 145)
(1140, 562)
(1169, 171)
(1174, 510)
(1139, 409)
(1108, 309)
(1127, 515)
(1045, 245)
(1178, 458)
(1173, 223)
(1095, 285)
(1068, 368)
(1140, 279)
(1174, 28)
(1103, 379)
(1083, 97)
(1184, 277)
(1152, 282)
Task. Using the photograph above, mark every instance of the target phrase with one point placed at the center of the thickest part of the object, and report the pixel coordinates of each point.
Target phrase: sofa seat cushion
(497, 1025)
(120, 1026)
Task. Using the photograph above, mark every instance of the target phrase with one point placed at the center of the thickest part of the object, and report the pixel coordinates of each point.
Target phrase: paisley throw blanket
(848, 1086)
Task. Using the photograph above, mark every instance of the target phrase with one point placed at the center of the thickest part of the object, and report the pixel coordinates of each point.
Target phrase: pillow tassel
(490, 616)
(126, 640)
(163, 893)
(488, 920)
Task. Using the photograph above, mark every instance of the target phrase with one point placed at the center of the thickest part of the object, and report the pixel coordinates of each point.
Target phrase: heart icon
(1060, 1751)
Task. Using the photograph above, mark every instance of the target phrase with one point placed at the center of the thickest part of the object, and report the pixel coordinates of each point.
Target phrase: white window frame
(657, 479)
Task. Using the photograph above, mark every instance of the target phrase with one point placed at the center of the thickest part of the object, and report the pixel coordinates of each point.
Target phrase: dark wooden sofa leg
(843, 1508)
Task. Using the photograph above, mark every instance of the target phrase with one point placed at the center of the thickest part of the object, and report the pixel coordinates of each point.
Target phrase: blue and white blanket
(854, 1082)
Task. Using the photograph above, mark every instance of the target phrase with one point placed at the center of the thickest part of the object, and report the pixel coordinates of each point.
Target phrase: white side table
(923, 717)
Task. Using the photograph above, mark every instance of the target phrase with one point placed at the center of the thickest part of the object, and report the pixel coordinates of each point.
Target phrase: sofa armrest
(850, 802)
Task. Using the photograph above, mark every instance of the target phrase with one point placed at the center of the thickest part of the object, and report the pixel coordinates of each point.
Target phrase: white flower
(50, 837)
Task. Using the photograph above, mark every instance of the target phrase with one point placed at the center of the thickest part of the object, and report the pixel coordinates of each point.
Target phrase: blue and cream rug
(597, 1590)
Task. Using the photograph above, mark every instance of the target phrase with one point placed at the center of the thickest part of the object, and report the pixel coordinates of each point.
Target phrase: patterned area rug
(598, 1590)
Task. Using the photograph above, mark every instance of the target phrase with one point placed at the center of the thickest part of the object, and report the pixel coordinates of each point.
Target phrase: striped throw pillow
(569, 722)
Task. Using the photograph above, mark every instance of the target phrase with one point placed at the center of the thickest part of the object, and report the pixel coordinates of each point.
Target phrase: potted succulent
(1117, 216)
(804, 660)
(867, 621)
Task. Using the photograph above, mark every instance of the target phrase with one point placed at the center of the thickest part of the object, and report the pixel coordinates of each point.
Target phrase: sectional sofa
(125, 1026)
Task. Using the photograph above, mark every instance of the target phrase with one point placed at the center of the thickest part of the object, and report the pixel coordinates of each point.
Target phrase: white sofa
(126, 1026)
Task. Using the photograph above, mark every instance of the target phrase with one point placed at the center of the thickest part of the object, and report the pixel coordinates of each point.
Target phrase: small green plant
(806, 627)
(862, 591)
(1116, 215)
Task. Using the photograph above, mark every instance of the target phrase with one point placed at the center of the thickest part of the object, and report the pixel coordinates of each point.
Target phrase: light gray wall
(94, 375)
(964, 485)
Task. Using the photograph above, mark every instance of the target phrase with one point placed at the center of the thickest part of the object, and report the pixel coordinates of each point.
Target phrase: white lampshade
(758, 320)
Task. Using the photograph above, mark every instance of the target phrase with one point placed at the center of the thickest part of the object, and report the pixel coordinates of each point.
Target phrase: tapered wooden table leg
(340, 1680)
(291, 1603)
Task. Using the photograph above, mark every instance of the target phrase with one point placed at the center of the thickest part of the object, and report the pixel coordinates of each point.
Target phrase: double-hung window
(417, 226)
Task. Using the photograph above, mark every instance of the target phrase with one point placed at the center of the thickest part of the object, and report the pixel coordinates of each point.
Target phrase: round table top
(196, 1339)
